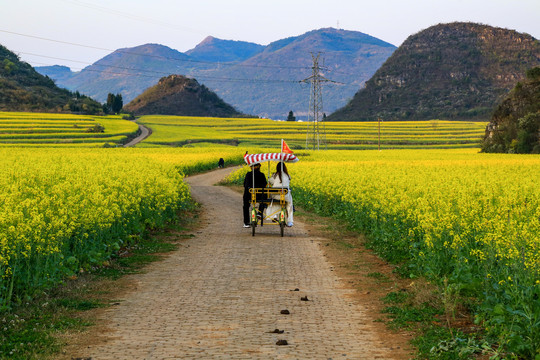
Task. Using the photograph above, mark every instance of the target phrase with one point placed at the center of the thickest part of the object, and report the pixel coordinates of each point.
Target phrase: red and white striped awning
(252, 159)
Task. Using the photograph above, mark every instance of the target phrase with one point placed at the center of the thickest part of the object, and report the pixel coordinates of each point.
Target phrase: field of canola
(61, 130)
(62, 210)
(467, 221)
(178, 131)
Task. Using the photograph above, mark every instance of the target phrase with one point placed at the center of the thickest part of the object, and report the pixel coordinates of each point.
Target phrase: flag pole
(281, 164)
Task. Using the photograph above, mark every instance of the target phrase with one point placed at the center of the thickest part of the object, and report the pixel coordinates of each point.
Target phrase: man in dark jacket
(260, 182)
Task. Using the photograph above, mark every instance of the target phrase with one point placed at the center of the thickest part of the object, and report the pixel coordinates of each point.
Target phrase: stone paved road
(220, 296)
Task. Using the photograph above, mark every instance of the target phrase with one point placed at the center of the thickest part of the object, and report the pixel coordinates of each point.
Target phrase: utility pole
(379, 133)
(316, 132)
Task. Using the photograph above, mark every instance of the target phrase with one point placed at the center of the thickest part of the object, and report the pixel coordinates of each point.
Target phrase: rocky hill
(515, 125)
(266, 83)
(24, 89)
(179, 95)
(448, 71)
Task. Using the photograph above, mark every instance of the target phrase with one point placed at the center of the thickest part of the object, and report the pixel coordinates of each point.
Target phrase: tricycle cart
(268, 195)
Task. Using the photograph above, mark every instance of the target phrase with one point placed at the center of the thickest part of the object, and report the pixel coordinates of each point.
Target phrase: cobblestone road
(221, 294)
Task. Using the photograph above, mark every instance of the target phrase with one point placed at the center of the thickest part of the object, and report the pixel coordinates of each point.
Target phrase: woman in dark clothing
(260, 182)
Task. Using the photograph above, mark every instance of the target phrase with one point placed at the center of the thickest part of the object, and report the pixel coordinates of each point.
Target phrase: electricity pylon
(316, 131)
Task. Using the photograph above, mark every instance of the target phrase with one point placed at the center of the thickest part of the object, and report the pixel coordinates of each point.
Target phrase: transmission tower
(316, 132)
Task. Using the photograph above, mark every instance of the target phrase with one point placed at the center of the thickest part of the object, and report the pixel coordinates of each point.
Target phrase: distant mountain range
(448, 71)
(178, 95)
(255, 79)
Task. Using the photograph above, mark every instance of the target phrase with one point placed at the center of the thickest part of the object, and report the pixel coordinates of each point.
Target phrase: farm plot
(466, 221)
(63, 210)
(63, 130)
(179, 131)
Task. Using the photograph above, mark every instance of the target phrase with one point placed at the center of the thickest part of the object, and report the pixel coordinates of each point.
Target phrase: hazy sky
(103, 26)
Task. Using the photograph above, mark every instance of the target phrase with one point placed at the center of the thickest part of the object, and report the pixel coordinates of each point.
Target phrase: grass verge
(40, 328)
(437, 322)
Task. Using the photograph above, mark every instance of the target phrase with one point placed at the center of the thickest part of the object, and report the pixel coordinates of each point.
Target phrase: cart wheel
(281, 228)
(253, 225)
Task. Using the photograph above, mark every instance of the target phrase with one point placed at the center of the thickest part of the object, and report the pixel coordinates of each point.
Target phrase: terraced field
(179, 131)
(34, 129)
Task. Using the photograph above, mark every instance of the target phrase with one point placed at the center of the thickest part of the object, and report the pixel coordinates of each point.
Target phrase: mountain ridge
(266, 84)
(218, 50)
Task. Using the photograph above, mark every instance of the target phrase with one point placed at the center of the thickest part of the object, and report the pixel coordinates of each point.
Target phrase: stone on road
(221, 296)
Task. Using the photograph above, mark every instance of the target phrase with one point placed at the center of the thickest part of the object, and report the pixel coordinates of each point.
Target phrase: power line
(141, 73)
(156, 56)
(128, 15)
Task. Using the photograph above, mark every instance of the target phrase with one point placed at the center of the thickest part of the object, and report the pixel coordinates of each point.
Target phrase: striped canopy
(252, 159)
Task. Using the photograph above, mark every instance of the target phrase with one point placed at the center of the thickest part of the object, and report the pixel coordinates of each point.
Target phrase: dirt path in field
(145, 132)
(220, 296)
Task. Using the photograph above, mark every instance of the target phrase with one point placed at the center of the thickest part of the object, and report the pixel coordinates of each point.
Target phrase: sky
(76, 33)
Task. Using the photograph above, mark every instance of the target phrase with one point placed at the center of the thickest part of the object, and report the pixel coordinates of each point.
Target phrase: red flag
(285, 148)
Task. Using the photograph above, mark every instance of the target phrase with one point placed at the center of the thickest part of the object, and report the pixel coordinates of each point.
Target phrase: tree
(114, 103)
(291, 116)
(118, 103)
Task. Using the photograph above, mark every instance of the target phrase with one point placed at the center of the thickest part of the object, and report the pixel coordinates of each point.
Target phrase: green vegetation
(23, 89)
(189, 131)
(179, 95)
(114, 103)
(35, 129)
(515, 125)
(466, 222)
(31, 329)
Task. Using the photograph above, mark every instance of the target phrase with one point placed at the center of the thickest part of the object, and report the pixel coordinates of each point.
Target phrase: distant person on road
(221, 163)
(260, 182)
(282, 179)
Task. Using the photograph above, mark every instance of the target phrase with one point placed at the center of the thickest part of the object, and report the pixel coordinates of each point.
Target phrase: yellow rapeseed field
(465, 220)
(66, 209)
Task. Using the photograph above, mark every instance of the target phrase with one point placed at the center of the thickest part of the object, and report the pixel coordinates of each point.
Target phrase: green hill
(515, 125)
(179, 95)
(24, 89)
(448, 71)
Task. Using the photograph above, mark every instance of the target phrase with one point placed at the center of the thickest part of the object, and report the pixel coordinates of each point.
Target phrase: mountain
(128, 71)
(515, 124)
(274, 89)
(448, 71)
(57, 72)
(267, 83)
(179, 95)
(217, 50)
(24, 89)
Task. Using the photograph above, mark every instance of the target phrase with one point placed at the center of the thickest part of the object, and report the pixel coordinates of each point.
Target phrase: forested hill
(179, 95)
(515, 125)
(24, 89)
(448, 71)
